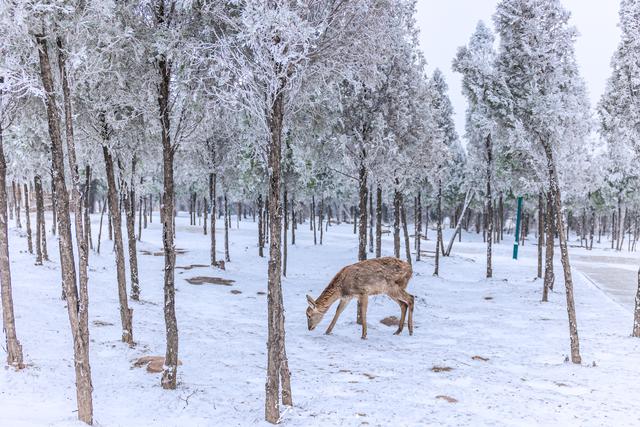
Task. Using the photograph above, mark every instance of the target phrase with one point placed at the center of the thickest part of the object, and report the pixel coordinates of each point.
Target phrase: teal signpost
(517, 239)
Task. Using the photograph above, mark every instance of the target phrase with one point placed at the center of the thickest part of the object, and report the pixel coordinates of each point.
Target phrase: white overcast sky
(447, 24)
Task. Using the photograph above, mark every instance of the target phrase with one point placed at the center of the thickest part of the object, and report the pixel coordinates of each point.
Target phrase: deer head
(314, 316)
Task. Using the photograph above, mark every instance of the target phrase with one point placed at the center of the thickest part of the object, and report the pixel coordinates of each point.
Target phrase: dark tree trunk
(227, 224)
(436, 270)
(418, 225)
(17, 197)
(549, 227)
(285, 217)
(396, 223)
(293, 221)
(489, 202)
(27, 217)
(378, 222)
(87, 207)
(41, 231)
(312, 217)
(321, 218)
(362, 231)
(260, 227)
(405, 229)
(130, 216)
(371, 220)
(212, 226)
(104, 207)
(540, 232)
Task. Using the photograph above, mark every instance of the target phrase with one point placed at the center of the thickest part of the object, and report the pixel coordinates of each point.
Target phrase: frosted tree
(488, 105)
(537, 60)
(619, 112)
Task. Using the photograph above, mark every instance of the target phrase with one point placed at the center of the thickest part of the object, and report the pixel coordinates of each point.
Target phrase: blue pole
(517, 239)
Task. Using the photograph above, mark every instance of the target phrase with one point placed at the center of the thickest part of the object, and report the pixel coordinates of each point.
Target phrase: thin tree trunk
(77, 302)
(212, 226)
(405, 229)
(489, 202)
(293, 221)
(540, 232)
(260, 227)
(27, 217)
(362, 231)
(378, 222)
(313, 219)
(116, 220)
(104, 207)
(87, 208)
(17, 196)
(130, 216)
(468, 198)
(13, 346)
(436, 270)
(636, 313)
(371, 220)
(418, 225)
(564, 253)
(227, 224)
(396, 223)
(54, 220)
(549, 226)
(141, 204)
(41, 234)
(285, 217)
(205, 213)
(321, 218)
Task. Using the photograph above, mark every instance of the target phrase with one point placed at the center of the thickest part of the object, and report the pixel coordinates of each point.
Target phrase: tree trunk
(549, 226)
(27, 217)
(141, 204)
(104, 207)
(277, 364)
(41, 233)
(87, 208)
(362, 231)
(396, 223)
(130, 216)
(293, 222)
(378, 222)
(13, 346)
(116, 220)
(468, 198)
(321, 218)
(312, 218)
(170, 373)
(636, 315)
(54, 219)
(212, 226)
(564, 253)
(540, 232)
(436, 270)
(285, 217)
(489, 202)
(18, 202)
(227, 224)
(371, 216)
(405, 229)
(418, 225)
(260, 227)
(77, 303)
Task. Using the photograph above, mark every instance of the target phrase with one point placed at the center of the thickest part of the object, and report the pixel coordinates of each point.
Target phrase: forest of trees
(292, 114)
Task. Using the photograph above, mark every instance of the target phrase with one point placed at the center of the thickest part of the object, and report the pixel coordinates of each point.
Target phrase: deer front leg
(343, 304)
(364, 300)
(403, 313)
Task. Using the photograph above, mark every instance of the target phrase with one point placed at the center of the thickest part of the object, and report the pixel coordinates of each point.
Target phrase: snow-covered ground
(484, 352)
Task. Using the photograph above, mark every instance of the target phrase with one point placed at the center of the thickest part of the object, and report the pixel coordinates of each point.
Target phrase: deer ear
(312, 303)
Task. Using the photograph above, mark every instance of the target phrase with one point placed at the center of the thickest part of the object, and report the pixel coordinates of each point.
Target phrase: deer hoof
(328, 333)
(363, 337)
(398, 332)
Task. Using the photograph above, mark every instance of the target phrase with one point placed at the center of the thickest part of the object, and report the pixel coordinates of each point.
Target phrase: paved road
(617, 276)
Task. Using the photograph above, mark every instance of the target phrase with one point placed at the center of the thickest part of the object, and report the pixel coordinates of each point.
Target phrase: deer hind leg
(409, 300)
(403, 313)
(364, 300)
(343, 304)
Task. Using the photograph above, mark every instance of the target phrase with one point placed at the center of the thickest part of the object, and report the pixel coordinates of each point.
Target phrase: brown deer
(371, 277)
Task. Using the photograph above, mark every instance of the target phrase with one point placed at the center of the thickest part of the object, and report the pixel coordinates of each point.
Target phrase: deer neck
(330, 295)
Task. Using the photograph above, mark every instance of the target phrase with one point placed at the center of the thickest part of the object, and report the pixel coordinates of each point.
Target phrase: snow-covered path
(506, 351)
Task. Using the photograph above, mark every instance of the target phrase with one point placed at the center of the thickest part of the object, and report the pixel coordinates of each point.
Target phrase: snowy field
(484, 352)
